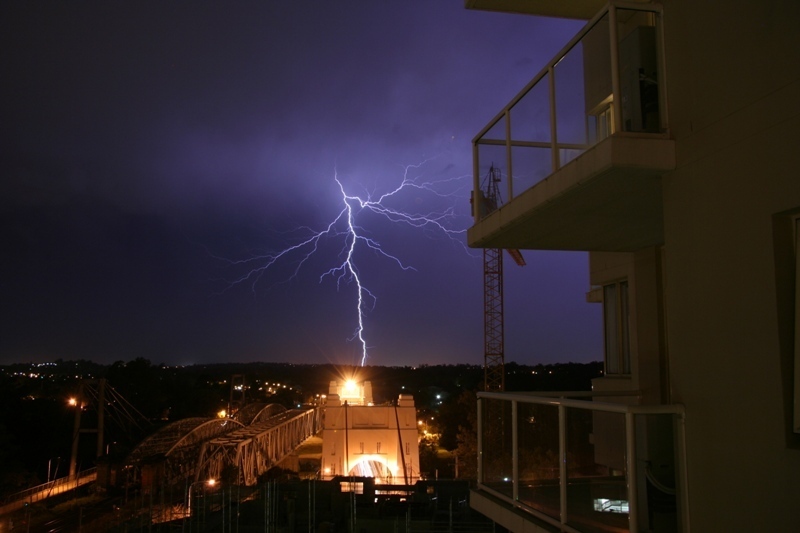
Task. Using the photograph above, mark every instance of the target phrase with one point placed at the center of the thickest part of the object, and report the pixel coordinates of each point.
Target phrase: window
(605, 123)
(601, 121)
(617, 334)
(352, 486)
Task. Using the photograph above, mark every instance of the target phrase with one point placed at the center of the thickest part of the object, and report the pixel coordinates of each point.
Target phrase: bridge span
(45, 490)
(252, 442)
(254, 449)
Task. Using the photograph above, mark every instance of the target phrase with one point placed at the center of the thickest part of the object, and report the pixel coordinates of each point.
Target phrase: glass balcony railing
(584, 466)
(608, 80)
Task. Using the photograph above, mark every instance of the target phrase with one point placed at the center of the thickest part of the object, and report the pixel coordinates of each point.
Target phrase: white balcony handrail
(655, 409)
(653, 8)
(579, 394)
(562, 403)
(542, 73)
(549, 69)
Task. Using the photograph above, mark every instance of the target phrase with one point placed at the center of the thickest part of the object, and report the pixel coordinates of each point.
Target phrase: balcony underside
(607, 199)
(579, 9)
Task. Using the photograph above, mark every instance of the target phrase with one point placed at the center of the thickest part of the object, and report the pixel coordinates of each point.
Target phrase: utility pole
(76, 431)
(237, 394)
(101, 404)
(79, 402)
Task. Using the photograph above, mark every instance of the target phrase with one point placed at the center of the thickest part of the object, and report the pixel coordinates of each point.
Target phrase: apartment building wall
(712, 316)
(734, 100)
(642, 271)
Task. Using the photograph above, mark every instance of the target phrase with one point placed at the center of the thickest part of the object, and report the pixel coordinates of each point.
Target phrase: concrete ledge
(608, 198)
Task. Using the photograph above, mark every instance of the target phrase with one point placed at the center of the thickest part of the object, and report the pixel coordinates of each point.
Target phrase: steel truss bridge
(256, 439)
(256, 448)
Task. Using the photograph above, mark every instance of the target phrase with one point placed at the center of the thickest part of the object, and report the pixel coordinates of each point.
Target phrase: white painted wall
(734, 94)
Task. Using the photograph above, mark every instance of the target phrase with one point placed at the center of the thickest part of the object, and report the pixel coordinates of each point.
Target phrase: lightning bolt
(344, 226)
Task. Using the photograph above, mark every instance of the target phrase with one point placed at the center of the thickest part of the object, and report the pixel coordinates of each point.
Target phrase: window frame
(616, 328)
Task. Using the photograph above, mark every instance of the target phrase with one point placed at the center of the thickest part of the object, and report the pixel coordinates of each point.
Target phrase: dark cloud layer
(143, 142)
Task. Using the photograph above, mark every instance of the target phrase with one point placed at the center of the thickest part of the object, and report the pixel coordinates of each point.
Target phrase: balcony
(582, 148)
(578, 465)
(578, 9)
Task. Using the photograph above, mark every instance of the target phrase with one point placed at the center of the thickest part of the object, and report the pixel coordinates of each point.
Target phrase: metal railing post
(615, 85)
(562, 462)
(480, 441)
(663, 101)
(554, 156)
(509, 165)
(476, 183)
(682, 483)
(514, 451)
(633, 495)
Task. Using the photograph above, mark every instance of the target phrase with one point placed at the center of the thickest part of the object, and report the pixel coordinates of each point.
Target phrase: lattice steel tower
(494, 354)
(493, 334)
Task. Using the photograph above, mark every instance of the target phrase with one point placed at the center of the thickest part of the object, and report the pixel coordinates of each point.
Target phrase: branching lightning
(344, 226)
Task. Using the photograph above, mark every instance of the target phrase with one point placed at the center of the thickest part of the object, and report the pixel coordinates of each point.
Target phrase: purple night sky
(142, 142)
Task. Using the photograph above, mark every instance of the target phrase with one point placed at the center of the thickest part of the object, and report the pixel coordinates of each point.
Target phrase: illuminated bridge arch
(256, 412)
(374, 466)
(256, 448)
(178, 444)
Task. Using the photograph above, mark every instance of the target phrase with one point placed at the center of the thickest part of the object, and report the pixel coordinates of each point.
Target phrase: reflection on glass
(638, 71)
(574, 95)
(497, 446)
(570, 98)
(539, 470)
(530, 116)
(531, 165)
(615, 462)
(596, 471)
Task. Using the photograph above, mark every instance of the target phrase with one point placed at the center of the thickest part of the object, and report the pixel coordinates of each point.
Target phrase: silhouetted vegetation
(36, 423)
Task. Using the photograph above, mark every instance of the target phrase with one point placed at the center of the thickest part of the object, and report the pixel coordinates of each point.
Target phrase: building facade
(365, 440)
(661, 140)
